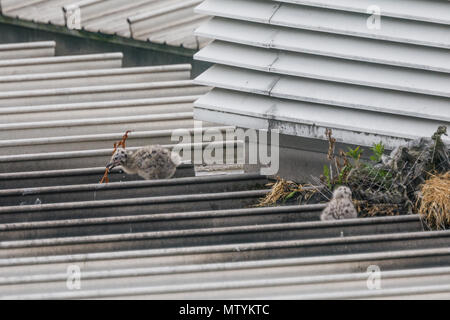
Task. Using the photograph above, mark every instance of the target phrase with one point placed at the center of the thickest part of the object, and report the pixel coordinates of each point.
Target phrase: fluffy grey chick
(341, 206)
(151, 162)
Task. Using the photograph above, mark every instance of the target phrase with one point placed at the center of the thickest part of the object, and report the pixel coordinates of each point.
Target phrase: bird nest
(120, 144)
(413, 179)
(434, 201)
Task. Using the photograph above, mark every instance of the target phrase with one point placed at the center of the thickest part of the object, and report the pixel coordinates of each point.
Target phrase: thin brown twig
(121, 143)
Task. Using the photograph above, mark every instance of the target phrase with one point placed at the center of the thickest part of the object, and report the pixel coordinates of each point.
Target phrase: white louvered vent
(302, 66)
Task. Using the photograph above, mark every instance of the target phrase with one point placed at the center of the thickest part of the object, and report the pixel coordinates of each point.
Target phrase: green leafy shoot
(378, 151)
(290, 195)
(356, 153)
(327, 175)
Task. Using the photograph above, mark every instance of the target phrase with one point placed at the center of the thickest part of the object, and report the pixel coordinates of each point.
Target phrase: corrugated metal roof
(188, 237)
(64, 112)
(304, 66)
(220, 254)
(27, 50)
(170, 22)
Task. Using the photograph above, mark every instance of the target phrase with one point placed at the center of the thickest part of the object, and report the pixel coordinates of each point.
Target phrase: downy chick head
(119, 158)
(342, 193)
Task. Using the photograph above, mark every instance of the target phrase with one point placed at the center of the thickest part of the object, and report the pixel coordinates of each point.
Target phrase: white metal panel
(329, 69)
(320, 56)
(332, 21)
(325, 92)
(310, 119)
(247, 10)
(421, 10)
(326, 44)
(356, 25)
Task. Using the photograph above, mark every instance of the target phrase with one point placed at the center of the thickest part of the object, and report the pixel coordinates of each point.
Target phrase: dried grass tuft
(434, 201)
(280, 190)
(368, 209)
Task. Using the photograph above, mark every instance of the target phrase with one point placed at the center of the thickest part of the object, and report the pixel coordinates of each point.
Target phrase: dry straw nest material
(285, 190)
(434, 201)
(280, 190)
(368, 209)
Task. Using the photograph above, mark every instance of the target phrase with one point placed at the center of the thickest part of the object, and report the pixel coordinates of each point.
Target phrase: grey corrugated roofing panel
(92, 141)
(75, 176)
(346, 263)
(96, 158)
(45, 11)
(112, 16)
(278, 285)
(416, 293)
(78, 126)
(305, 233)
(244, 230)
(351, 285)
(52, 134)
(60, 63)
(139, 19)
(328, 69)
(164, 252)
(100, 93)
(9, 5)
(140, 265)
(123, 207)
(170, 221)
(326, 44)
(187, 231)
(331, 21)
(27, 50)
(238, 288)
(180, 33)
(312, 266)
(270, 249)
(173, 24)
(421, 10)
(94, 77)
(174, 8)
(129, 189)
(88, 110)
